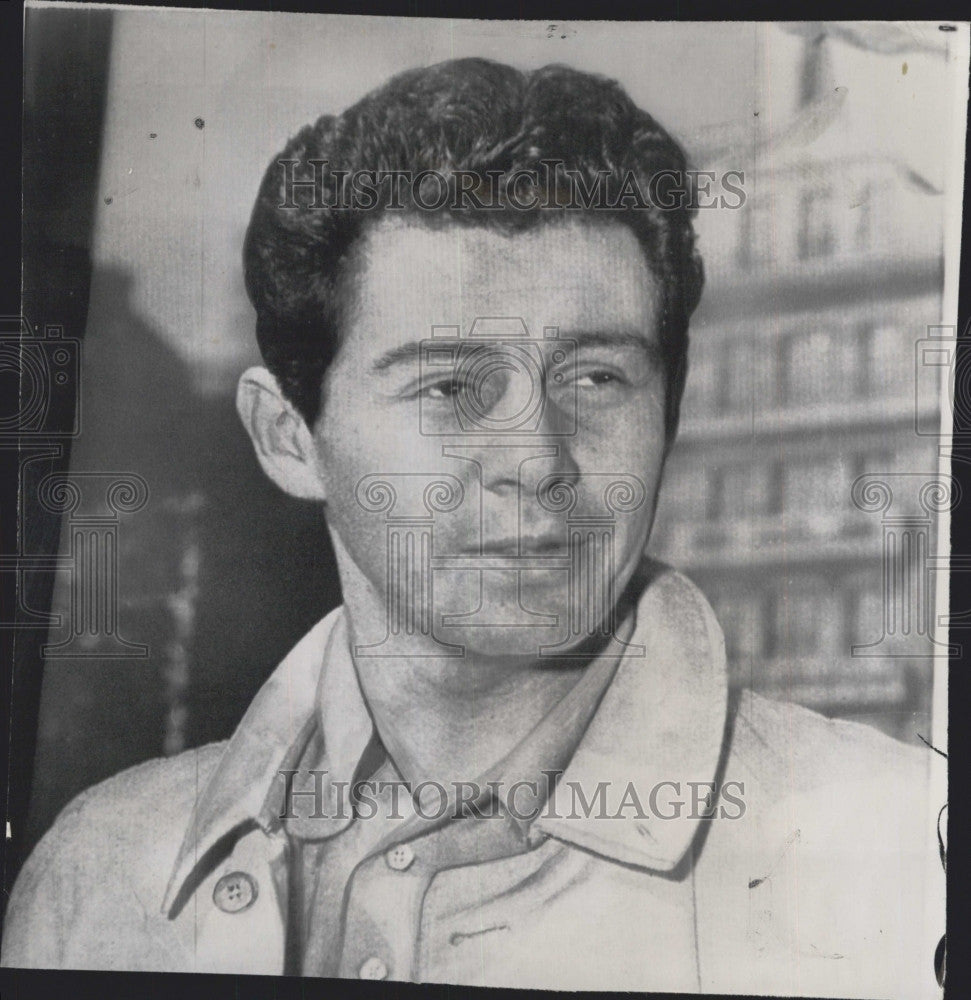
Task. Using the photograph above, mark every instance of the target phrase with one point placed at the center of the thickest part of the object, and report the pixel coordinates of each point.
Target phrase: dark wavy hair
(470, 115)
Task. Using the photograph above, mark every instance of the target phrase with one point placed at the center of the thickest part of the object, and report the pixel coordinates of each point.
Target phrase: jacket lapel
(659, 727)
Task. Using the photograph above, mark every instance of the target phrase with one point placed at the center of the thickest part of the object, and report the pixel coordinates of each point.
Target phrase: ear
(283, 442)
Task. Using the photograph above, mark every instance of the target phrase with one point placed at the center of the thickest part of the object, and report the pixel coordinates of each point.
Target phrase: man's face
(530, 540)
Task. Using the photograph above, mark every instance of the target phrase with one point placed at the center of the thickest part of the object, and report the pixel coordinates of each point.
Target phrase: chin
(503, 641)
(529, 621)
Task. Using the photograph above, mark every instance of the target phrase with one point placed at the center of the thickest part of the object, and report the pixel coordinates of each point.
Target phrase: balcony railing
(816, 536)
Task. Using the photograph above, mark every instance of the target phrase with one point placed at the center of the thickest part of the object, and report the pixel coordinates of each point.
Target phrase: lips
(521, 545)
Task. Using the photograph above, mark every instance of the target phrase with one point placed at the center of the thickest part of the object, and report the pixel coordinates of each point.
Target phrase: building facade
(807, 387)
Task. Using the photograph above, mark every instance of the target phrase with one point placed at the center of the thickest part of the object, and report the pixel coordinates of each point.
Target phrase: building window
(748, 489)
(815, 225)
(820, 366)
(756, 246)
(867, 621)
(889, 361)
(816, 495)
(806, 366)
(715, 508)
(685, 492)
(737, 378)
(846, 377)
(741, 617)
(795, 625)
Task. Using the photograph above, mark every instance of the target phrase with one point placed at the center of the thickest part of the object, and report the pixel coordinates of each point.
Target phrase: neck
(448, 718)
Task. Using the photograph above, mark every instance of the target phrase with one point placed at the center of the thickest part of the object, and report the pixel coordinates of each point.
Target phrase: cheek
(628, 441)
(345, 454)
(341, 459)
(358, 442)
(630, 450)
(366, 458)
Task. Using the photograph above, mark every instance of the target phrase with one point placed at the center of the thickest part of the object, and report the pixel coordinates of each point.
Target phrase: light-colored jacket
(827, 881)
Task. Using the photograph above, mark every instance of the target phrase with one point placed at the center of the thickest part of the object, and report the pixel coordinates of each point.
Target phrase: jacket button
(235, 892)
(400, 858)
(373, 968)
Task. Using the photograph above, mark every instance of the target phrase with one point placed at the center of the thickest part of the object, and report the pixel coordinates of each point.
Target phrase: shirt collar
(520, 780)
(271, 737)
(659, 724)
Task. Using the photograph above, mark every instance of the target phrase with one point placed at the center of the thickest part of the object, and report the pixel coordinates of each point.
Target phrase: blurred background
(147, 135)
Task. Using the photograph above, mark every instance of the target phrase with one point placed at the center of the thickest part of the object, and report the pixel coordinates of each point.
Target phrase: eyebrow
(583, 338)
(404, 352)
(616, 338)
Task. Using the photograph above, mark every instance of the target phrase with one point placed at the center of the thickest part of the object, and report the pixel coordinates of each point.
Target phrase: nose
(551, 464)
(516, 465)
(516, 422)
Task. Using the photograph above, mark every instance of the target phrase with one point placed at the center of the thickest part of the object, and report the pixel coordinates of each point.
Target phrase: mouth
(521, 545)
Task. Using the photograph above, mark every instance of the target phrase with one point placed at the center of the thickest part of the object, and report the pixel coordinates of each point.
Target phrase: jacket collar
(660, 724)
(270, 738)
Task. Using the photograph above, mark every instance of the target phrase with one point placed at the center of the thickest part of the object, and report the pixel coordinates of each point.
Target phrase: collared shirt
(668, 693)
(355, 896)
(819, 873)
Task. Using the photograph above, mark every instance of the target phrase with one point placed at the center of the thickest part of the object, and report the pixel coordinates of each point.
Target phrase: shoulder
(107, 856)
(150, 798)
(780, 734)
(831, 772)
(830, 855)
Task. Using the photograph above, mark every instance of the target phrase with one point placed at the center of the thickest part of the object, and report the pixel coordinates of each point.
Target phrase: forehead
(573, 274)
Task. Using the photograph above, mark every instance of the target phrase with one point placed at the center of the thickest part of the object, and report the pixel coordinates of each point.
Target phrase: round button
(235, 892)
(399, 858)
(373, 968)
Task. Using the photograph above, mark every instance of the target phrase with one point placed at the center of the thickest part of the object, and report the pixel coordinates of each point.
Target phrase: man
(510, 758)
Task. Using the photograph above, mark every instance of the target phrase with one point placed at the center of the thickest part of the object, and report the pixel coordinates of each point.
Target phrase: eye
(598, 378)
(446, 388)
